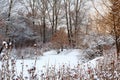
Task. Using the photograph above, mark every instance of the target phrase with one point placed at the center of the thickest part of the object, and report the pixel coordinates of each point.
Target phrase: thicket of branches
(109, 22)
(45, 17)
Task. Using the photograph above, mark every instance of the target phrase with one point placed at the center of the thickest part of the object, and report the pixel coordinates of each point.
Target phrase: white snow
(51, 58)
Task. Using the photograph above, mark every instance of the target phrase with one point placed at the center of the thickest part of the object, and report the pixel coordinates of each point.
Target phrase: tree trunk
(10, 7)
(76, 21)
(67, 22)
(44, 30)
(53, 20)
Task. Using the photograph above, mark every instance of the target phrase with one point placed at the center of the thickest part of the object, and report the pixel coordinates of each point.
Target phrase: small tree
(60, 39)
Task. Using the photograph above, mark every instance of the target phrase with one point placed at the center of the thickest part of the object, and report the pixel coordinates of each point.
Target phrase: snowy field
(50, 60)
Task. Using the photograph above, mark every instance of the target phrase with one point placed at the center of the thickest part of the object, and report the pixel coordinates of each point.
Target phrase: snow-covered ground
(52, 59)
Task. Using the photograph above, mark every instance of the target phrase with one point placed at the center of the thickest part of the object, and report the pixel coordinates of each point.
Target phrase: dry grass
(107, 69)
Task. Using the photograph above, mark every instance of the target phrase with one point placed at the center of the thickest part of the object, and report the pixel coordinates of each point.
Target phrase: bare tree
(114, 13)
(68, 16)
(111, 20)
(37, 11)
(10, 7)
(75, 15)
(54, 9)
(9, 15)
